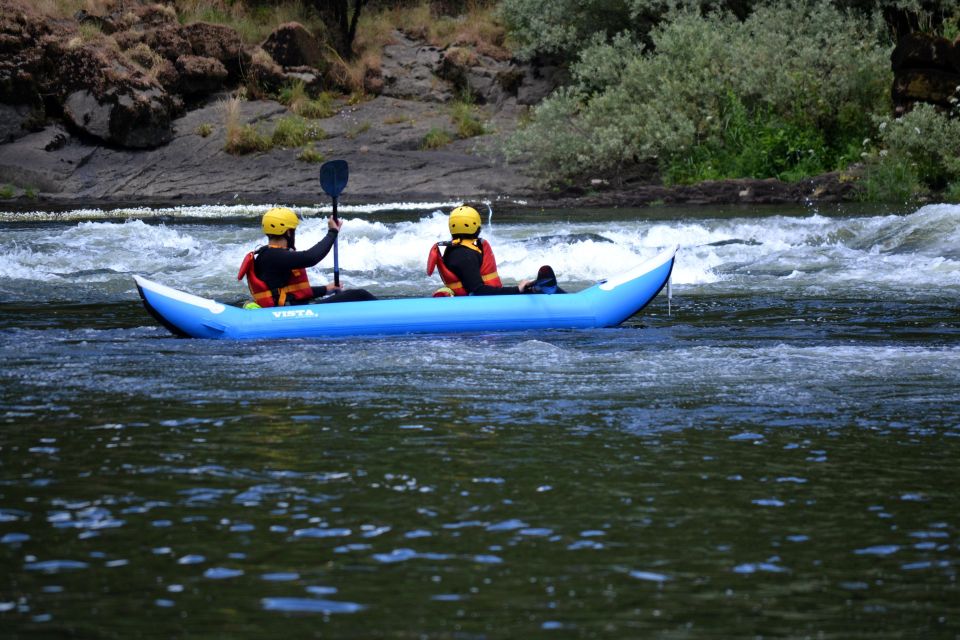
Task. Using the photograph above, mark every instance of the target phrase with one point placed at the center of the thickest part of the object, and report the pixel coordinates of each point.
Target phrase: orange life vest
(488, 265)
(297, 287)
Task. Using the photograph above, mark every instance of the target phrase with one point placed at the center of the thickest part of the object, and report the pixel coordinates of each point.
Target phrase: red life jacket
(297, 287)
(488, 265)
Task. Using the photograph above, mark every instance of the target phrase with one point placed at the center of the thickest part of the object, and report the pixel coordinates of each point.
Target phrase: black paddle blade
(333, 177)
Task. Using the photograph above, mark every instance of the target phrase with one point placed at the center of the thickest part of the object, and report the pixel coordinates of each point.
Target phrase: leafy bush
(557, 28)
(717, 94)
(929, 140)
(890, 179)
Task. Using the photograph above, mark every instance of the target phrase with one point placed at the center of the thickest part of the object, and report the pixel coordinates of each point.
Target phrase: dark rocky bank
(135, 115)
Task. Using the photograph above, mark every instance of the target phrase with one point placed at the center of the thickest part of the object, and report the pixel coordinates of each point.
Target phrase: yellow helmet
(277, 221)
(464, 220)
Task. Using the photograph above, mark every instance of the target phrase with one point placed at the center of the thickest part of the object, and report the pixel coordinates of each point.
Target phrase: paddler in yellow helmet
(468, 267)
(277, 273)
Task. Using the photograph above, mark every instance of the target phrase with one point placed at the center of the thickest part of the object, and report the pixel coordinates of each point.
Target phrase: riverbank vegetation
(786, 90)
(676, 91)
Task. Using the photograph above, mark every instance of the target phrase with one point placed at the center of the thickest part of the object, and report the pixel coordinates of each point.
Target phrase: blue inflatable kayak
(606, 304)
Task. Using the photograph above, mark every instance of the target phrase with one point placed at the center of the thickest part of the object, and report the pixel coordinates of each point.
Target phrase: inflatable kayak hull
(606, 304)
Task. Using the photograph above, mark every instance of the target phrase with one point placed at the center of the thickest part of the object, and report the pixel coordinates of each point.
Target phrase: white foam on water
(782, 254)
(213, 211)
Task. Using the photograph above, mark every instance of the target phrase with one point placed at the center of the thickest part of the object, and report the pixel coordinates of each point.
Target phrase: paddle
(333, 178)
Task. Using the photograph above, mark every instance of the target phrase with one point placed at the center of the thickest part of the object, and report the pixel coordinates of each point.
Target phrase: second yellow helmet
(464, 220)
(278, 220)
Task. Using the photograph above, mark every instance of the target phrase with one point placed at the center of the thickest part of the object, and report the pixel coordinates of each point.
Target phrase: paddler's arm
(316, 253)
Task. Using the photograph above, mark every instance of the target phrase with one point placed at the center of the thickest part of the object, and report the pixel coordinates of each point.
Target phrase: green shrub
(295, 132)
(752, 145)
(929, 140)
(6, 192)
(557, 28)
(435, 139)
(890, 179)
(204, 130)
(795, 75)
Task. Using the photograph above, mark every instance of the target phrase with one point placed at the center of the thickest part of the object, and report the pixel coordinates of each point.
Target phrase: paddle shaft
(336, 252)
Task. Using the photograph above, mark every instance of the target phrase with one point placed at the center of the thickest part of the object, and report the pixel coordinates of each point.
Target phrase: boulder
(200, 75)
(135, 119)
(108, 24)
(291, 45)
(126, 16)
(166, 74)
(110, 99)
(168, 41)
(263, 76)
(150, 16)
(215, 41)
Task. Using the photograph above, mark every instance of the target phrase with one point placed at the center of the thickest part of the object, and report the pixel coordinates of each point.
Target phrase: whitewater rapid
(91, 255)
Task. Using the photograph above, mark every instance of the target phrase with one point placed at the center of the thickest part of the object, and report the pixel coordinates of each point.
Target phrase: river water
(775, 455)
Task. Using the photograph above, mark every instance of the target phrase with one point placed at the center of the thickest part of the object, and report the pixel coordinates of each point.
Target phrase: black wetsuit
(273, 265)
(465, 263)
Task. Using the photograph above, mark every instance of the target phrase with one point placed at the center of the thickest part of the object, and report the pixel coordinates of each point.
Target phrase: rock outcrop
(292, 45)
(411, 68)
(218, 42)
(926, 68)
(408, 70)
(109, 98)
